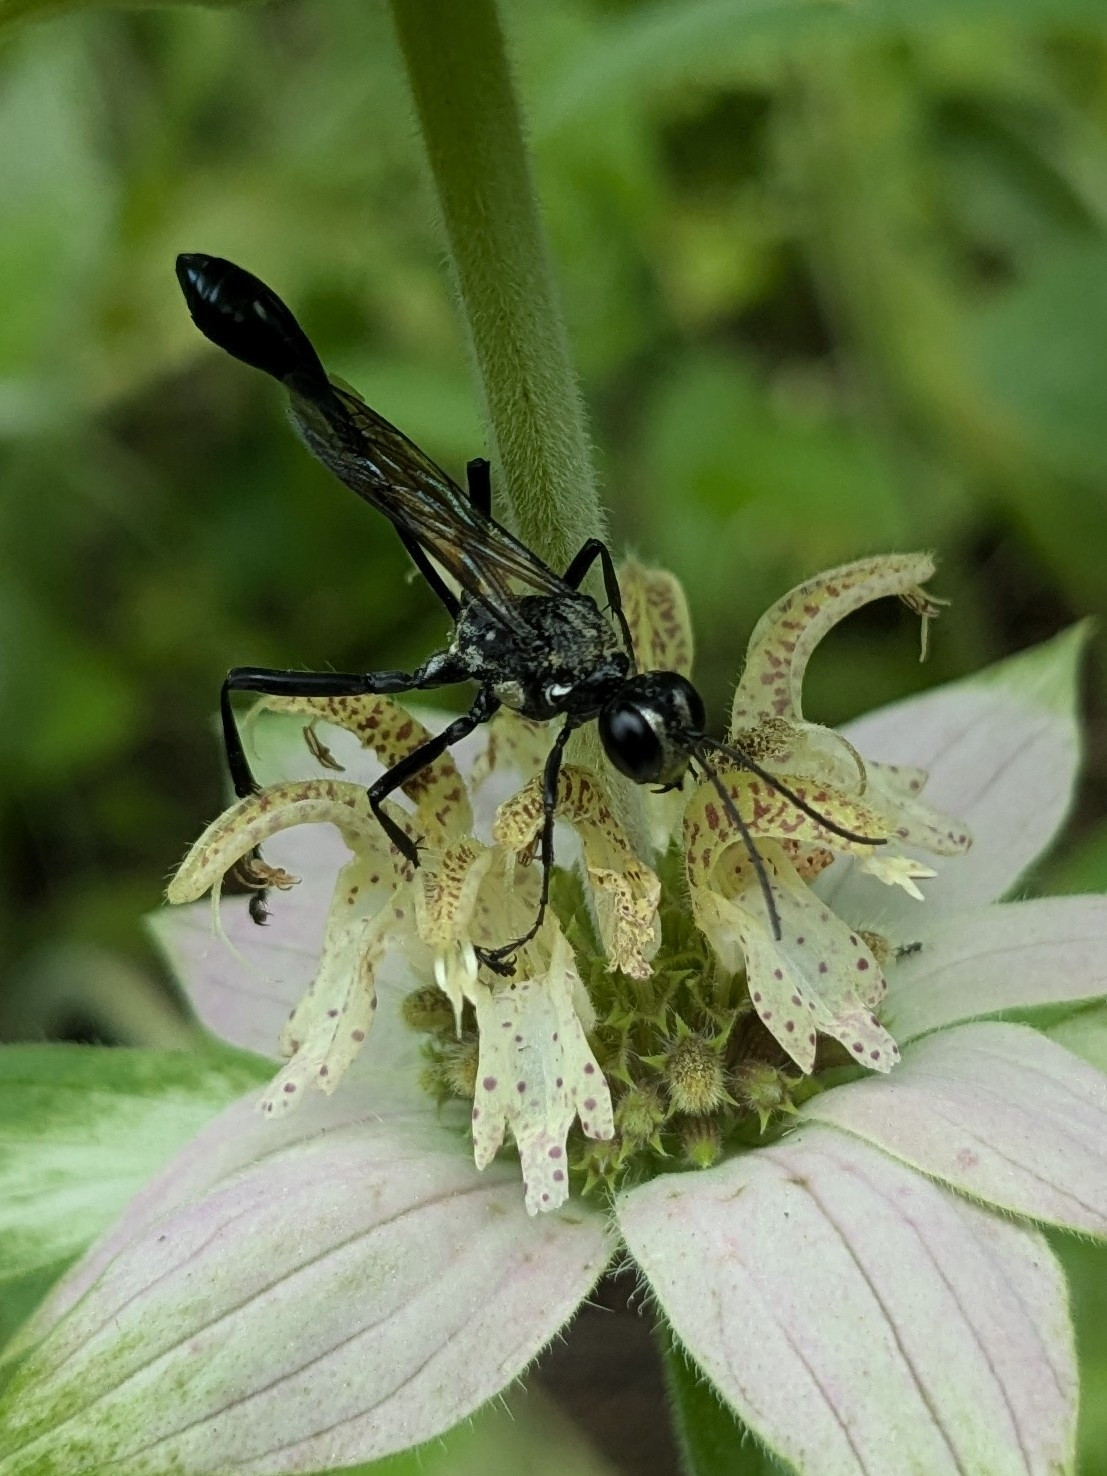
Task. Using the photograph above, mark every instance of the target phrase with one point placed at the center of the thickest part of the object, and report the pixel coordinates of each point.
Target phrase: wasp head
(650, 725)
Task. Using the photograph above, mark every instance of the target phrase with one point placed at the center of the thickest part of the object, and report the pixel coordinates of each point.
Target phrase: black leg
(439, 671)
(500, 958)
(273, 682)
(480, 485)
(417, 760)
(439, 586)
(595, 549)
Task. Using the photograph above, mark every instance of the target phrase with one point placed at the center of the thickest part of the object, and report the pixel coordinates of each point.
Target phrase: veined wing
(379, 463)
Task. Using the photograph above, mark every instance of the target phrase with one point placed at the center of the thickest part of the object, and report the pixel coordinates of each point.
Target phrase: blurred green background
(836, 280)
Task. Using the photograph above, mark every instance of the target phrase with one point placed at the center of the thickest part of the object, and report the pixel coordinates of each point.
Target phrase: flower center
(693, 1071)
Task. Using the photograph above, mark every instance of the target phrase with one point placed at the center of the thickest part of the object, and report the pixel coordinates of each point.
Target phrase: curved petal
(783, 640)
(390, 732)
(996, 1111)
(656, 611)
(853, 1313)
(324, 1300)
(1002, 751)
(243, 984)
(278, 752)
(1049, 951)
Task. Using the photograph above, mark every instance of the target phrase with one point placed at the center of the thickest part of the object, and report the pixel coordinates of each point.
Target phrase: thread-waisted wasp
(547, 653)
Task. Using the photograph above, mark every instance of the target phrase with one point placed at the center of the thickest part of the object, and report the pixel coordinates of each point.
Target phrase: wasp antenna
(744, 760)
(735, 817)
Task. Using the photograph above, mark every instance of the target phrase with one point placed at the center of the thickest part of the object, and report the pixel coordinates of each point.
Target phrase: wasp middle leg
(583, 560)
(501, 959)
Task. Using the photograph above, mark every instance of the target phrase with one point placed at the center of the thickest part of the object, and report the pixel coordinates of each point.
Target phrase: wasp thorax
(647, 726)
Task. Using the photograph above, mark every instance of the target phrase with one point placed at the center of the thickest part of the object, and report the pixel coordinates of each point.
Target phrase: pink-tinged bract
(334, 1291)
(858, 1317)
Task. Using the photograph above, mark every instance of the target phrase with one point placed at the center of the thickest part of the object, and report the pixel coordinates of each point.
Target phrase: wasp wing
(379, 463)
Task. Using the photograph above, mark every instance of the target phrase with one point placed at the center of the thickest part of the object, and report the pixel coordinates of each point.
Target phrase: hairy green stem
(460, 78)
(541, 456)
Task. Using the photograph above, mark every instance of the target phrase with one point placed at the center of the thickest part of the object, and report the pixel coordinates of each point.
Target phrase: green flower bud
(427, 1009)
(695, 1077)
(701, 1138)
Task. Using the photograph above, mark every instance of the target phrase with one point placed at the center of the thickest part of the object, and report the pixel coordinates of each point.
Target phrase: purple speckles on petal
(559, 1176)
(589, 1068)
(858, 1047)
(823, 967)
(358, 1035)
(778, 973)
(862, 965)
(556, 1036)
(290, 1086)
(489, 1083)
(590, 1104)
(559, 1083)
(520, 1087)
(332, 1014)
(556, 1151)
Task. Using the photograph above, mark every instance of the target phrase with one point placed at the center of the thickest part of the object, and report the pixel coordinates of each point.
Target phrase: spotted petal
(786, 635)
(536, 1074)
(657, 614)
(253, 820)
(627, 892)
(709, 831)
(818, 978)
(390, 732)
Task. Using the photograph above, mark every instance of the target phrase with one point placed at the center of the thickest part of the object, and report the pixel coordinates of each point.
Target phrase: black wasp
(547, 653)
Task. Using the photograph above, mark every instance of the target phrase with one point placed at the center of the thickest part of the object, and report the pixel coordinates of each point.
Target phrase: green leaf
(712, 1440)
(1084, 1033)
(1040, 352)
(81, 1129)
(23, 10)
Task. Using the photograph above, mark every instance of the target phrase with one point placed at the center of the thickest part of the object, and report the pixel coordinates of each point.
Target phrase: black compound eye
(631, 743)
(697, 717)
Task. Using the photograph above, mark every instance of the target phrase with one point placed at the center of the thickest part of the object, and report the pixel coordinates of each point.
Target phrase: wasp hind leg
(253, 872)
